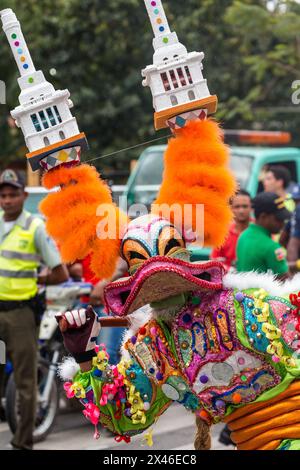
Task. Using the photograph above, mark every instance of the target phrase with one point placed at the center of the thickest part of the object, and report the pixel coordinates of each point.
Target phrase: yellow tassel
(148, 438)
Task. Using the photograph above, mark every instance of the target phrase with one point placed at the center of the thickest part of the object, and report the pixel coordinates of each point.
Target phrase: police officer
(255, 249)
(23, 245)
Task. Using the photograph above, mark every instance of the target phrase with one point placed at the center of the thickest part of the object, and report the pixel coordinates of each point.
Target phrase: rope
(203, 436)
(128, 148)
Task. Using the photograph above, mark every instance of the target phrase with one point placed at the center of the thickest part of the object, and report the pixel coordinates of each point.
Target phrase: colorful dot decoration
(30, 80)
(159, 21)
(236, 398)
(204, 379)
(20, 51)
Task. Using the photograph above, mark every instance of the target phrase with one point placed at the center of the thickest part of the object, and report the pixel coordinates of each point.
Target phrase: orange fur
(72, 220)
(196, 172)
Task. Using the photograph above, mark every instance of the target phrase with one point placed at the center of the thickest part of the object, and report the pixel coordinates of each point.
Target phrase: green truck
(247, 162)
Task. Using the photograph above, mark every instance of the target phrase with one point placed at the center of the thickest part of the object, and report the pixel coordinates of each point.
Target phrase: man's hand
(42, 276)
(54, 276)
(80, 329)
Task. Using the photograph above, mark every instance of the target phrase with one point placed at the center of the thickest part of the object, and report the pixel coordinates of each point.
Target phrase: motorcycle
(51, 350)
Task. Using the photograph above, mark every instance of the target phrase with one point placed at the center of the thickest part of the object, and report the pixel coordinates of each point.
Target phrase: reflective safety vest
(19, 262)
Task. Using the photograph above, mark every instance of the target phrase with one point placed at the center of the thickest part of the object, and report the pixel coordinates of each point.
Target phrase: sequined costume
(224, 351)
(213, 343)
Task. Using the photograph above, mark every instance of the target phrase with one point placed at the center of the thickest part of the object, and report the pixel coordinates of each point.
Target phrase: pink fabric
(135, 283)
(287, 322)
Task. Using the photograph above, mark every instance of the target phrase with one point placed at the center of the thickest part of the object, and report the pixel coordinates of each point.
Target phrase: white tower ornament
(50, 131)
(175, 78)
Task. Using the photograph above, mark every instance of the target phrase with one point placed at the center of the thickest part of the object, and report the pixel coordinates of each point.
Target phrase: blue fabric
(140, 380)
(259, 343)
(295, 224)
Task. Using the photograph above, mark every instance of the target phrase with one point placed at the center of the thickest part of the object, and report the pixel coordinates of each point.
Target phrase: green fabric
(257, 251)
(123, 425)
(288, 374)
(174, 301)
(289, 444)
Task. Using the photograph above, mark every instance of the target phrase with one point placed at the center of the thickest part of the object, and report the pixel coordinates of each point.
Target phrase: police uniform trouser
(19, 332)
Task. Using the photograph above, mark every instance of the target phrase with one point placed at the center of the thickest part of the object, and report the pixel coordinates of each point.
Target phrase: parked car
(247, 163)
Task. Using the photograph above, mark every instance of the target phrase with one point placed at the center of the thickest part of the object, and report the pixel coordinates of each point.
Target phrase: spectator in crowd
(293, 247)
(276, 180)
(255, 248)
(24, 243)
(241, 208)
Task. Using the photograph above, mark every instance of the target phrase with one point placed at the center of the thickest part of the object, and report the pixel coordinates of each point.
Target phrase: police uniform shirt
(257, 251)
(45, 246)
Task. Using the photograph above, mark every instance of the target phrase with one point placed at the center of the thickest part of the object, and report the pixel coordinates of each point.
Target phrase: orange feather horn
(82, 217)
(196, 172)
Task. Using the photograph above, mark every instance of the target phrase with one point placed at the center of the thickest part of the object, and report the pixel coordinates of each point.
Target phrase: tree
(268, 43)
(99, 48)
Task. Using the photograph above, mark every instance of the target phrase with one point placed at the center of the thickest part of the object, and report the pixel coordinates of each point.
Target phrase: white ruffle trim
(264, 281)
(67, 369)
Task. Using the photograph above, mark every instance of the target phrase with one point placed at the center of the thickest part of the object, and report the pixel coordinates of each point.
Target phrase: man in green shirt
(256, 251)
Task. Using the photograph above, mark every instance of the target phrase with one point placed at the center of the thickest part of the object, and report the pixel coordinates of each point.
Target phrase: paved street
(174, 431)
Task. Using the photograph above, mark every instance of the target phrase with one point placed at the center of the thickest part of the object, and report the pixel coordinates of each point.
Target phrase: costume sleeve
(129, 397)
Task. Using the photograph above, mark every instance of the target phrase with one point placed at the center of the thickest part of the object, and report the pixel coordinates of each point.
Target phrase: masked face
(151, 236)
(159, 266)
